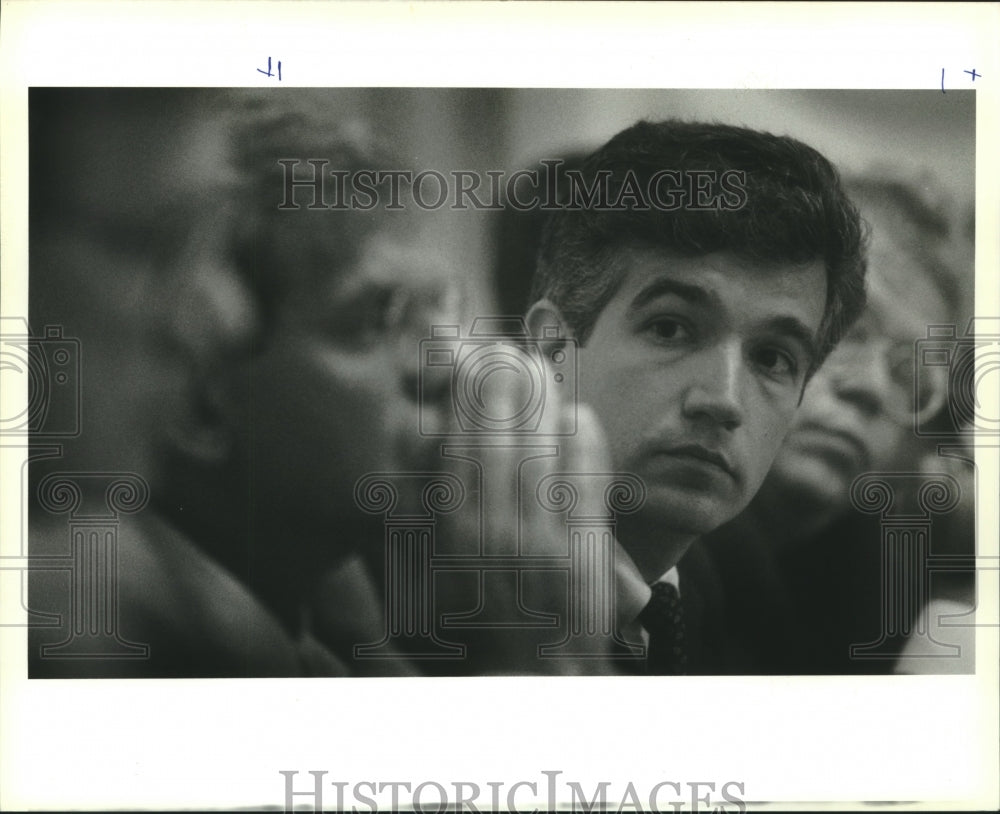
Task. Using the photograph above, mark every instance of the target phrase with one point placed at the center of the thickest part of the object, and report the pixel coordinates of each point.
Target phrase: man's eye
(777, 362)
(669, 329)
(380, 310)
(363, 320)
(381, 313)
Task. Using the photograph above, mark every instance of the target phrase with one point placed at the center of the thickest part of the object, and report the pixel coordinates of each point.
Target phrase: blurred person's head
(301, 328)
(858, 411)
(701, 310)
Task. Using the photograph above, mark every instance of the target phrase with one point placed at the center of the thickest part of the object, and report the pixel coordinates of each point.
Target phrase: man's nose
(428, 384)
(428, 389)
(716, 391)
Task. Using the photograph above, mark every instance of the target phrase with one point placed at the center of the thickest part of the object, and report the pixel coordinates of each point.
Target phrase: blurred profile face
(858, 409)
(333, 392)
(694, 369)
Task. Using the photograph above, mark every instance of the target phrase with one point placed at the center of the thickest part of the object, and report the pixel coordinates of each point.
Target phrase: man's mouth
(701, 455)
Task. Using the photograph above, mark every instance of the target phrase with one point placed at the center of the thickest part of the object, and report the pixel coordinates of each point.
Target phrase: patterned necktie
(664, 622)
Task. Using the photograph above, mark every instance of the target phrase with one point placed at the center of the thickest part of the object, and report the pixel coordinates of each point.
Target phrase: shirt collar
(672, 577)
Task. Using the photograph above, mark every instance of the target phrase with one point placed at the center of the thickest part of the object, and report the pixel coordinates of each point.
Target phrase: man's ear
(547, 326)
(210, 321)
(200, 425)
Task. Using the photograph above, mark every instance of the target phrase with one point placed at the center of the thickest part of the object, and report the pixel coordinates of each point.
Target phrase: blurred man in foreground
(273, 333)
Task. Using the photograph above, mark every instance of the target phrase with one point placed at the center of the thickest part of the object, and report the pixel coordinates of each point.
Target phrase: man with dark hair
(700, 322)
(790, 209)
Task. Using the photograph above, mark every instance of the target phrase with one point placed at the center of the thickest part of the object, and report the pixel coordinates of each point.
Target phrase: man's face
(333, 394)
(858, 408)
(695, 368)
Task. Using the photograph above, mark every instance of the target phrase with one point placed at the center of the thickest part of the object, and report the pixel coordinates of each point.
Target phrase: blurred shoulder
(196, 618)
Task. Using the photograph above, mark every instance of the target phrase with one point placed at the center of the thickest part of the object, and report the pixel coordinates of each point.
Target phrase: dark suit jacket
(703, 603)
(797, 609)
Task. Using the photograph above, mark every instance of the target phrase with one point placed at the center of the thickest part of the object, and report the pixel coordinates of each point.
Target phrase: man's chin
(680, 512)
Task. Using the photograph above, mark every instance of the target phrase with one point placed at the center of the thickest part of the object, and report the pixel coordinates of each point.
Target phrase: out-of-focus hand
(510, 616)
(347, 609)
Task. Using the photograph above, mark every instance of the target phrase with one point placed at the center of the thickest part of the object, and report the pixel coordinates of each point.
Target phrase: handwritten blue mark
(268, 71)
(971, 73)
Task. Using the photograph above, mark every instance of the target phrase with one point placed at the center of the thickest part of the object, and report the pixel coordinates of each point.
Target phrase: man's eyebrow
(694, 294)
(428, 291)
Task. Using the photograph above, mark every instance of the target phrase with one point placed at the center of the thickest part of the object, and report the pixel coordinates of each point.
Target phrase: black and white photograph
(464, 390)
(364, 387)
